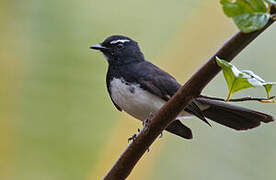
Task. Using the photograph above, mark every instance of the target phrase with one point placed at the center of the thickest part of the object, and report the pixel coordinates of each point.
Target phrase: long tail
(234, 117)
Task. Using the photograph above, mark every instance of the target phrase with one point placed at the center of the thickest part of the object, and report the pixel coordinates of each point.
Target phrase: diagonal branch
(191, 89)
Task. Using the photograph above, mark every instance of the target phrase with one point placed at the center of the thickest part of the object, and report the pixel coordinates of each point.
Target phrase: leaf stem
(230, 91)
(228, 96)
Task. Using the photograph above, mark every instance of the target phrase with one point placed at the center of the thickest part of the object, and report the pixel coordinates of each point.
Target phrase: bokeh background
(57, 121)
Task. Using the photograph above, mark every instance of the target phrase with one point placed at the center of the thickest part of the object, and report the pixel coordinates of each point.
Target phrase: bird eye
(120, 46)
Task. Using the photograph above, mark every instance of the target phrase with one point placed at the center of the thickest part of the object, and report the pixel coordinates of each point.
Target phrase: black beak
(98, 47)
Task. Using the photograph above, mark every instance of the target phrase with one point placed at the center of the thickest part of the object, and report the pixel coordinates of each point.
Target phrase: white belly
(134, 100)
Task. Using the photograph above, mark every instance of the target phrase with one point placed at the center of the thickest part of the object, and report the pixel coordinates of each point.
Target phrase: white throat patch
(119, 40)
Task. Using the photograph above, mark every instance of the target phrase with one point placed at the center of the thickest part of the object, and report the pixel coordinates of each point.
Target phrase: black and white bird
(140, 88)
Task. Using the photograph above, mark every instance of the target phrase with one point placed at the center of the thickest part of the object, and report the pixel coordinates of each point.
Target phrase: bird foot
(134, 136)
(147, 121)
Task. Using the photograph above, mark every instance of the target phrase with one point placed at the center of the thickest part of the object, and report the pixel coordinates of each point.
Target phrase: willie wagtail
(140, 88)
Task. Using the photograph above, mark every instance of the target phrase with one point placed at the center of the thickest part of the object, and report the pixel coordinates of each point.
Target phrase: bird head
(120, 50)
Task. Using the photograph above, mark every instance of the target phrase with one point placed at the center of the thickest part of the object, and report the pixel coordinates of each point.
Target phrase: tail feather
(177, 128)
(235, 117)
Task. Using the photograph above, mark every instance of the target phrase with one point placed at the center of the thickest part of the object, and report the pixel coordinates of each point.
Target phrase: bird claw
(147, 121)
(133, 137)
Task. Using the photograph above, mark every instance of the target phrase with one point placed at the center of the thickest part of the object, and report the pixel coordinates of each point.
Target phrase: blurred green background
(57, 121)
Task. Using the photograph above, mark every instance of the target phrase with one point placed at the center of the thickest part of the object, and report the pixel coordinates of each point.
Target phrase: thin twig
(239, 99)
(191, 89)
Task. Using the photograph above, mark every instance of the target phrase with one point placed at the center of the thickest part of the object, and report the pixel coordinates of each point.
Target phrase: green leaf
(271, 1)
(251, 22)
(248, 15)
(237, 80)
(260, 82)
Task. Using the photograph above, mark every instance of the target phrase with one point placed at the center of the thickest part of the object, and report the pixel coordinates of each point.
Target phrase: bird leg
(147, 121)
(132, 138)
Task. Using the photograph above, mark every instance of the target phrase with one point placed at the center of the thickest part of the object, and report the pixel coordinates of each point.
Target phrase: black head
(120, 50)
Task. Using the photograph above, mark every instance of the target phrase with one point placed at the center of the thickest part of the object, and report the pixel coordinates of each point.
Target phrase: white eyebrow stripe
(119, 40)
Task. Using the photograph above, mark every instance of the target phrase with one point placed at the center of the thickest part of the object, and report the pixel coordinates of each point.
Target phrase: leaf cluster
(241, 79)
(248, 15)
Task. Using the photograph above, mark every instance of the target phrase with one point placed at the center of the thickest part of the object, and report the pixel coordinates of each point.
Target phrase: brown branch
(239, 99)
(191, 89)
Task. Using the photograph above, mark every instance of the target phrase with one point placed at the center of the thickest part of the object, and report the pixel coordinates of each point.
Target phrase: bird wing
(161, 84)
(155, 80)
